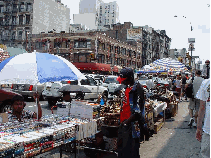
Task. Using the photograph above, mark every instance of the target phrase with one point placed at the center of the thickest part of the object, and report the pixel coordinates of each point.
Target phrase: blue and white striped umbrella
(168, 63)
(33, 68)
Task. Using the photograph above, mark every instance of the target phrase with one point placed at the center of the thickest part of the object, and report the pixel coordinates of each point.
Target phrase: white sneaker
(191, 122)
(194, 124)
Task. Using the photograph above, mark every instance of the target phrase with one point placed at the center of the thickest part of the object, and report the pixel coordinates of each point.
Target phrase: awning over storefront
(115, 69)
(93, 66)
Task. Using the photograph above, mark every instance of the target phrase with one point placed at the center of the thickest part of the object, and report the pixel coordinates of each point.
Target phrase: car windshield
(143, 82)
(111, 80)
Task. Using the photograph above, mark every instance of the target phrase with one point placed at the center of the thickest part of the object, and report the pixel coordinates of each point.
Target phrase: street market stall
(30, 138)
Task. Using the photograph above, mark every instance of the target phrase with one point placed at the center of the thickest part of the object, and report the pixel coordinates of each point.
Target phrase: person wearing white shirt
(196, 85)
(203, 134)
(178, 86)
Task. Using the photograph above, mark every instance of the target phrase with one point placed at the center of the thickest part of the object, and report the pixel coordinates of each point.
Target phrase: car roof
(111, 76)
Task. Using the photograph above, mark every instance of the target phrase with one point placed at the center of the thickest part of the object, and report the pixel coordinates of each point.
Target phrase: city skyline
(176, 17)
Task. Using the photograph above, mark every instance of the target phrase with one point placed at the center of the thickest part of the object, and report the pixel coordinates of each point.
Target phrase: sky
(159, 14)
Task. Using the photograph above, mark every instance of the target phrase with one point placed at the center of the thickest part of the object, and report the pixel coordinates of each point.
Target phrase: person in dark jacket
(131, 115)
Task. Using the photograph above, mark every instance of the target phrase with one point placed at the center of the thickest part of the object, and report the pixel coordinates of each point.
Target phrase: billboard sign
(135, 34)
(191, 40)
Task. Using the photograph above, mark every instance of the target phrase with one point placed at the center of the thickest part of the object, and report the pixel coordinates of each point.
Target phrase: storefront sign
(134, 34)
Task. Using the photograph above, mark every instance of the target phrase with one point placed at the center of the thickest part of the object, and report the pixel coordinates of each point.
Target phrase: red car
(5, 99)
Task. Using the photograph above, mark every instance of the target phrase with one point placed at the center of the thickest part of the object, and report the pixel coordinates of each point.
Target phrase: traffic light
(92, 56)
(187, 54)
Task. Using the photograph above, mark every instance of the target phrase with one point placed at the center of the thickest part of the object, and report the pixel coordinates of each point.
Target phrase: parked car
(92, 85)
(27, 90)
(143, 83)
(5, 99)
(52, 94)
(160, 81)
(111, 83)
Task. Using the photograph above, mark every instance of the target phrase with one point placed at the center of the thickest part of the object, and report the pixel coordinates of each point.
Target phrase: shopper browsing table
(18, 112)
(203, 134)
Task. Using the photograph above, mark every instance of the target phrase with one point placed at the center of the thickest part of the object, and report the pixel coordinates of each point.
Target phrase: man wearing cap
(131, 114)
(206, 69)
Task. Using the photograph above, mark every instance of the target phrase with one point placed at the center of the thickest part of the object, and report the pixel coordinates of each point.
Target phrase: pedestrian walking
(194, 103)
(131, 115)
(178, 84)
(203, 134)
(206, 69)
(184, 79)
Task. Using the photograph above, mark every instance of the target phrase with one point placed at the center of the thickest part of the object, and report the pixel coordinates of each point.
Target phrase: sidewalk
(174, 140)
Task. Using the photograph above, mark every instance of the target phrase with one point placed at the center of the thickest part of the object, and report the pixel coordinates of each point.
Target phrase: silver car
(27, 90)
(111, 83)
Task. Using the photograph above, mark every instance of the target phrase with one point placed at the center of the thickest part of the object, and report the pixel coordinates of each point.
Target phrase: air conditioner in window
(23, 8)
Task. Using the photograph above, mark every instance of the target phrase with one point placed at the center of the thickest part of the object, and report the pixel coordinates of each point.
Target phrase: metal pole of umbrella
(36, 103)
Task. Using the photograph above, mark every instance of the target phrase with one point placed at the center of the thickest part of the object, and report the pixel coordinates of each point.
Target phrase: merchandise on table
(30, 138)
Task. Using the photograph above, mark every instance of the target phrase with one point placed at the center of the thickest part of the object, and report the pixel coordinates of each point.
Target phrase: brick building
(88, 48)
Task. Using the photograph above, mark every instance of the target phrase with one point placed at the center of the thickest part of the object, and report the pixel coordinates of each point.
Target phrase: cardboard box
(4, 117)
(158, 125)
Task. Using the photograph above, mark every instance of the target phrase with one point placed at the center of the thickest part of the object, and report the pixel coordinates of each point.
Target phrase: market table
(160, 108)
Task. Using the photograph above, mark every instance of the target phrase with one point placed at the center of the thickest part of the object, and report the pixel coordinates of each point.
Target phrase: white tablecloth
(159, 108)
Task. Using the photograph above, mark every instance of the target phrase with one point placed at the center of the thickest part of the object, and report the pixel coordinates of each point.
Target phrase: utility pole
(191, 48)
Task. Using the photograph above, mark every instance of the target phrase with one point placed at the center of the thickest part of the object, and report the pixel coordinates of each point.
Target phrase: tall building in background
(109, 14)
(98, 12)
(19, 19)
(59, 1)
(89, 6)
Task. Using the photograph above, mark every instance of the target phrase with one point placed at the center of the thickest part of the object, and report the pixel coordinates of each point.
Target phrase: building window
(15, 8)
(14, 20)
(2, 9)
(22, 7)
(1, 20)
(21, 20)
(29, 7)
(20, 35)
(80, 44)
(9, 8)
(13, 35)
(89, 44)
(27, 19)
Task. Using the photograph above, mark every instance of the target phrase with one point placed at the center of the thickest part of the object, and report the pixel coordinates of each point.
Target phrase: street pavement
(174, 140)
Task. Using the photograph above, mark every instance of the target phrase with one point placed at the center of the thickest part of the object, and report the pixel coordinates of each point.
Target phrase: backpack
(189, 90)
